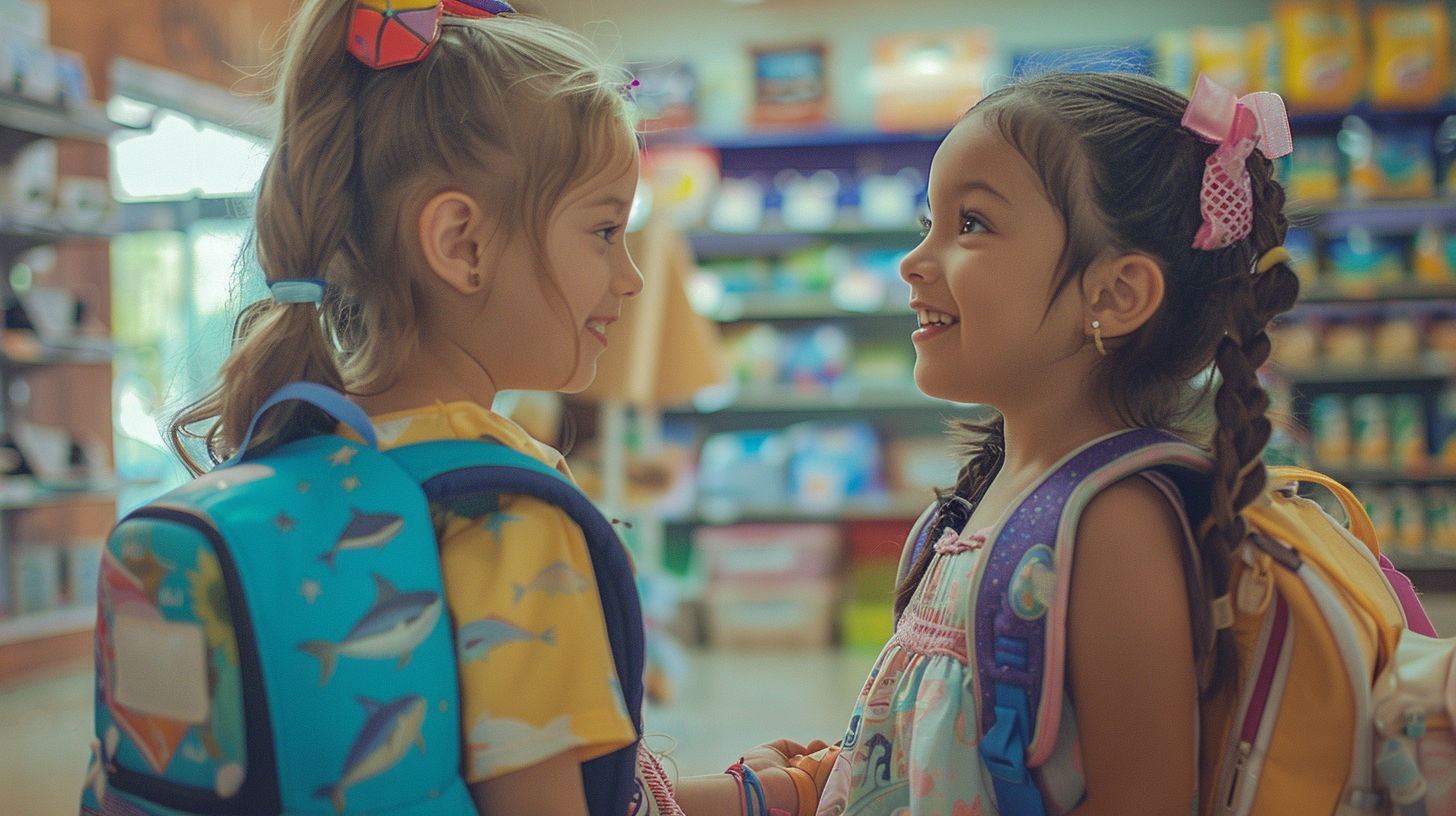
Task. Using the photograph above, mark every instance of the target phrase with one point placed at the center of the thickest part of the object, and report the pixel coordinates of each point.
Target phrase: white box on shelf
(82, 203)
(83, 567)
(35, 574)
(757, 553)
(26, 20)
(798, 615)
(29, 192)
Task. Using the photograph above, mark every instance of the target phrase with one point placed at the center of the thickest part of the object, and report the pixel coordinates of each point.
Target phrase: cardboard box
(925, 80)
(757, 554)
(796, 615)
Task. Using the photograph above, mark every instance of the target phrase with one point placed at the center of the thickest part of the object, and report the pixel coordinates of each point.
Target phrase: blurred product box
(28, 183)
(83, 566)
(833, 463)
(925, 80)
(798, 615)
(767, 554)
(1322, 48)
(742, 470)
(1410, 59)
(876, 541)
(35, 574)
(866, 624)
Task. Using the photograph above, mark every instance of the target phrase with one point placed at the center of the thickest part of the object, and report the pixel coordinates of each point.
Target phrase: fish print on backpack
(393, 627)
(364, 531)
(387, 735)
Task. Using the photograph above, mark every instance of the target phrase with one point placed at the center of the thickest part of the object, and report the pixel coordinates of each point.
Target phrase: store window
(180, 274)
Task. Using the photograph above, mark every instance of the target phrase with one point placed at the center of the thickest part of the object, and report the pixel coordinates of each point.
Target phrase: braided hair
(1124, 174)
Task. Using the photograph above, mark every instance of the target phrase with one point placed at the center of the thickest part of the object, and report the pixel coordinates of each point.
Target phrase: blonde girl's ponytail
(306, 217)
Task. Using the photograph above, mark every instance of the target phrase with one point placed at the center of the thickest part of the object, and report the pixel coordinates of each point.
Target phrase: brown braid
(985, 446)
(1241, 404)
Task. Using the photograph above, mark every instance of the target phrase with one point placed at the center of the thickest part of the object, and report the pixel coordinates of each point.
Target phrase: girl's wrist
(780, 791)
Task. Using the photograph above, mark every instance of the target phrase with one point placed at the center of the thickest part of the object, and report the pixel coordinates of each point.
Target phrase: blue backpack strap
(452, 467)
(1020, 698)
(320, 396)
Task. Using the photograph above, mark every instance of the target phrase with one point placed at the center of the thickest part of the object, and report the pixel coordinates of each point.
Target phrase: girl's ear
(1122, 292)
(452, 231)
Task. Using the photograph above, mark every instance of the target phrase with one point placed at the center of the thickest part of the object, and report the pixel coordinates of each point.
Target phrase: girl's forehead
(976, 153)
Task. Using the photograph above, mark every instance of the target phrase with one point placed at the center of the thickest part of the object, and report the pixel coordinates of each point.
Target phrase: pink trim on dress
(917, 635)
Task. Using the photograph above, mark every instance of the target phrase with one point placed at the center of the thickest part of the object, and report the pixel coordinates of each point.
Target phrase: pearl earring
(1097, 337)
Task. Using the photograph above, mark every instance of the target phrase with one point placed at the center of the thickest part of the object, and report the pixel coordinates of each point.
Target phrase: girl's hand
(777, 754)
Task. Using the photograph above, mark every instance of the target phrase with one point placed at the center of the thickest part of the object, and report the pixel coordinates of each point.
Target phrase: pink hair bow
(1237, 125)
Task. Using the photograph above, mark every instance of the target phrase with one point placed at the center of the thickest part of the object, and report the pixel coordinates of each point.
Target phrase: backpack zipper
(1259, 710)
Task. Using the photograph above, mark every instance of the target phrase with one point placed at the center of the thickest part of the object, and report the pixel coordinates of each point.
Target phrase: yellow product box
(1261, 55)
(1410, 61)
(924, 81)
(1222, 53)
(1322, 53)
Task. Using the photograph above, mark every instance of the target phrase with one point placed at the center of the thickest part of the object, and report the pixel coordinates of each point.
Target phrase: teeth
(929, 318)
(597, 325)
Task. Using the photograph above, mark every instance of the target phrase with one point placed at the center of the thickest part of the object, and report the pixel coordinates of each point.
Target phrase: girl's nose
(918, 266)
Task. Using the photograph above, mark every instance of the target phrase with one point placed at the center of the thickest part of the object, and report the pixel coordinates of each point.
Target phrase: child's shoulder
(459, 420)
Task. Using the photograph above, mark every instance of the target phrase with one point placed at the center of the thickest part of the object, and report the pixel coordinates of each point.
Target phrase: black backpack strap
(455, 467)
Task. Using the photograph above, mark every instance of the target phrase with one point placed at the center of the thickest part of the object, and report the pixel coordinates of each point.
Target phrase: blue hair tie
(298, 290)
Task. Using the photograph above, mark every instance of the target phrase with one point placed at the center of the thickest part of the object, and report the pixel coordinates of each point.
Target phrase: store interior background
(766, 515)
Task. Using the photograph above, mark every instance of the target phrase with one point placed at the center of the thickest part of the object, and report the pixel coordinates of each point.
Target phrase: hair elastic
(298, 290)
(1267, 261)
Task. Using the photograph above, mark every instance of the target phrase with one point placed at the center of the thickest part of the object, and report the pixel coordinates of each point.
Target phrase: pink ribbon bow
(1237, 125)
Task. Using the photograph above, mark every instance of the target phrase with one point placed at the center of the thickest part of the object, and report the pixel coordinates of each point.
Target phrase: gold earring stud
(1097, 337)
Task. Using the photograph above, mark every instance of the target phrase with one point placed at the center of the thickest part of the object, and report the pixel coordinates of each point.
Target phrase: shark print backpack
(271, 637)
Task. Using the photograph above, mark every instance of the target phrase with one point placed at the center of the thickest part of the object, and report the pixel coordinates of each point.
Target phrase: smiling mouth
(929, 319)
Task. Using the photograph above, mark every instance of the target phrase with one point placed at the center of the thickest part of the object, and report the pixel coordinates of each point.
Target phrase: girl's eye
(971, 223)
(607, 233)
(924, 226)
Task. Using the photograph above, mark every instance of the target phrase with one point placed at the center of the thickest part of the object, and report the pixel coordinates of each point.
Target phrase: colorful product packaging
(1410, 60)
(1221, 52)
(1370, 431)
(1360, 263)
(1330, 427)
(1262, 57)
(1406, 167)
(1408, 443)
(1313, 172)
(925, 80)
(1410, 520)
(1430, 260)
(1323, 53)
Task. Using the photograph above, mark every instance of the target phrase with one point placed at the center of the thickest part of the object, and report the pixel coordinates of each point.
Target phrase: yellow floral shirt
(536, 670)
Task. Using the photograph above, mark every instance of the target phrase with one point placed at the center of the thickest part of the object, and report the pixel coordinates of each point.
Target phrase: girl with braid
(1095, 261)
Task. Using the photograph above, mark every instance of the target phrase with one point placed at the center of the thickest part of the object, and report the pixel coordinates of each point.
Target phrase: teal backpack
(271, 638)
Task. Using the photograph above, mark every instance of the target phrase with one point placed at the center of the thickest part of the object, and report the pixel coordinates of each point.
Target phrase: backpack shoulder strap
(455, 467)
(1018, 618)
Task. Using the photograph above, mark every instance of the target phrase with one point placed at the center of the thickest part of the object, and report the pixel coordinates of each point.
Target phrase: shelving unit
(63, 382)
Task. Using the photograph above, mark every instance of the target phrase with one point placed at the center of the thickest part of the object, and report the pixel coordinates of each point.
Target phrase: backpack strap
(322, 397)
(1018, 620)
(453, 467)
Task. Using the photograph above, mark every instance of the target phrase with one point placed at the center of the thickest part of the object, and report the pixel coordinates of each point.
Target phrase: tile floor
(727, 702)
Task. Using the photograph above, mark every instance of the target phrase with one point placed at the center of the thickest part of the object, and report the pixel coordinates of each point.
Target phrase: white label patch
(161, 668)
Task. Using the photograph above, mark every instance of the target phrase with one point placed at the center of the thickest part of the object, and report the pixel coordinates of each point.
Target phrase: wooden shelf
(26, 348)
(54, 121)
(47, 624)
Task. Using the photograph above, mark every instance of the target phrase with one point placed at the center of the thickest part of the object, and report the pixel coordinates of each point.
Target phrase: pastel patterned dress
(911, 747)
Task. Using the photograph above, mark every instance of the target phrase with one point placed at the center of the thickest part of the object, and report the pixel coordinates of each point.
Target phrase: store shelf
(47, 624)
(816, 306)
(54, 121)
(24, 492)
(775, 140)
(1390, 216)
(16, 237)
(1390, 476)
(845, 398)
(890, 507)
(25, 348)
(1420, 561)
(1373, 374)
(1327, 292)
(777, 241)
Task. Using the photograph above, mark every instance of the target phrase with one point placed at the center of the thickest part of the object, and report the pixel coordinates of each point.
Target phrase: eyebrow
(975, 184)
(616, 202)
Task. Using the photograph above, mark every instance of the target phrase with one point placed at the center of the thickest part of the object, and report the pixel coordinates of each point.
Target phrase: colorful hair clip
(388, 33)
